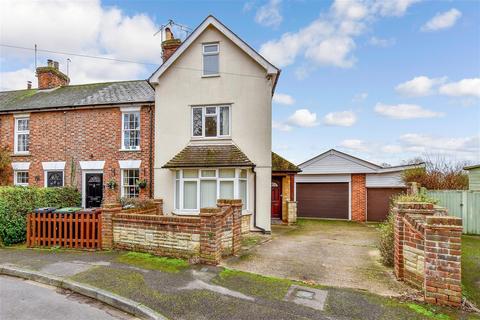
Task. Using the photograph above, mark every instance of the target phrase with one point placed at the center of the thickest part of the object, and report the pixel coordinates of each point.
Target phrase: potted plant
(111, 184)
(142, 184)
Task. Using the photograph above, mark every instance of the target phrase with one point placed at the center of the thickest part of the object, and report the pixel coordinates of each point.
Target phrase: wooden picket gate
(82, 230)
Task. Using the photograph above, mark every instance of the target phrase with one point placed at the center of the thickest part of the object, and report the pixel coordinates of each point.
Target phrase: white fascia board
(401, 168)
(20, 166)
(92, 165)
(211, 20)
(54, 165)
(343, 155)
(130, 164)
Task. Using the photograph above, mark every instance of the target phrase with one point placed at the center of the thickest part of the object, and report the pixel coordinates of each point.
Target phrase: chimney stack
(29, 85)
(169, 45)
(50, 76)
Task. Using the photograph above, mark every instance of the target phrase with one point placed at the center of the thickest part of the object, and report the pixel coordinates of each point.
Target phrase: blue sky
(383, 80)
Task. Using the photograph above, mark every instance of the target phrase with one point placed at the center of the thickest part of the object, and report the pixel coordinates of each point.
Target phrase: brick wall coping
(444, 221)
(156, 219)
(417, 222)
(151, 210)
(415, 205)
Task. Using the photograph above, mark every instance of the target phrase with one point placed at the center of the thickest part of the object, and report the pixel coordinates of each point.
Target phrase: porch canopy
(282, 165)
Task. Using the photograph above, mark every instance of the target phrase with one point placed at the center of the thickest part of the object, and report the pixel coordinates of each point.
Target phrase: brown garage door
(322, 200)
(378, 202)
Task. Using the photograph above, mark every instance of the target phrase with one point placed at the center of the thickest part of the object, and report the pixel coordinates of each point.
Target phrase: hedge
(17, 202)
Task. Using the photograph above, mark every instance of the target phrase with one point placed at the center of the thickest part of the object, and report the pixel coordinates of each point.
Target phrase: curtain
(226, 189)
(190, 195)
(208, 194)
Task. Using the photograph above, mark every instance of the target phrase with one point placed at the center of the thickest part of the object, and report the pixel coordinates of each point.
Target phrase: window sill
(129, 150)
(210, 75)
(27, 154)
(210, 138)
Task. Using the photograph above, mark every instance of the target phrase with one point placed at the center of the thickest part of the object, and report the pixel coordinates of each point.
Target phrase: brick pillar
(159, 206)
(443, 271)
(399, 237)
(108, 211)
(210, 235)
(236, 205)
(359, 197)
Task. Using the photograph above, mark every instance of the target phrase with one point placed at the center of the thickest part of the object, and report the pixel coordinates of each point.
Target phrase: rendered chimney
(29, 85)
(169, 45)
(51, 77)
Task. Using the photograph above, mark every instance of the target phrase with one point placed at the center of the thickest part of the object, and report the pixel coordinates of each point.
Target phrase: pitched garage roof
(209, 156)
(94, 94)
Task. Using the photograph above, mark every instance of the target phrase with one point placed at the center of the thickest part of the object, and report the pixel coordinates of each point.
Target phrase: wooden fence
(464, 204)
(82, 230)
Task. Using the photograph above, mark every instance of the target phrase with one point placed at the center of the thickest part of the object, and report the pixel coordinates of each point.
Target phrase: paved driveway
(332, 253)
(25, 300)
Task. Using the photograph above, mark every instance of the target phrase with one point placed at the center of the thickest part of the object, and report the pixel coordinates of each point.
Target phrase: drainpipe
(151, 153)
(255, 202)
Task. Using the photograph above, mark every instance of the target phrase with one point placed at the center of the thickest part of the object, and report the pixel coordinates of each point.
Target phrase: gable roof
(280, 164)
(92, 94)
(212, 21)
(337, 162)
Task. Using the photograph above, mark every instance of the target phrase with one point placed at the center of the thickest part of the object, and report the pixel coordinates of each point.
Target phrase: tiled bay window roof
(195, 156)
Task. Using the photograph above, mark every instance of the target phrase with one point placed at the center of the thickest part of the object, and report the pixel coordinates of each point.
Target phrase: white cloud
(342, 119)
(83, 27)
(442, 20)
(465, 146)
(392, 148)
(465, 87)
(419, 86)
(17, 79)
(380, 42)
(330, 39)
(282, 98)
(269, 14)
(281, 126)
(355, 144)
(405, 111)
(302, 118)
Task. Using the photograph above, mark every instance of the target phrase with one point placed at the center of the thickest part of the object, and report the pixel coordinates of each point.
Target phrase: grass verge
(471, 268)
(151, 262)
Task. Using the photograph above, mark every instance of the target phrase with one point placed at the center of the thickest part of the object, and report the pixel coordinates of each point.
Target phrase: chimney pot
(50, 62)
(29, 84)
(55, 64)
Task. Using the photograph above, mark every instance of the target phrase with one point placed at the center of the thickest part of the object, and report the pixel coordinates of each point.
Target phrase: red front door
(276, 199)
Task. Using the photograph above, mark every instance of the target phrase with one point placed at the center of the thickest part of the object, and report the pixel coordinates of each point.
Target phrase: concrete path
(331, 253)
(26, 300)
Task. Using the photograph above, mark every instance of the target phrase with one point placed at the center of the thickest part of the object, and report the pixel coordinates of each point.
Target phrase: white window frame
(210, 54)
(19, 132)
(135, 111)
(122, 191)
(217, 113)
(181, 180)
(15, 178)
(54, 170)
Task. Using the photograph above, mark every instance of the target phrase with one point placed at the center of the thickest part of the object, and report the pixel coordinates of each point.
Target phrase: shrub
(5, 166)
(17, 202)
(386, 228)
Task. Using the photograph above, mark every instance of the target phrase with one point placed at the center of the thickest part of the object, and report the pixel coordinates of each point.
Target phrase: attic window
(211, 52)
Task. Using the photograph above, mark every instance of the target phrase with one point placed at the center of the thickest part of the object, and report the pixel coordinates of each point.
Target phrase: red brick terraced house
(96, 137)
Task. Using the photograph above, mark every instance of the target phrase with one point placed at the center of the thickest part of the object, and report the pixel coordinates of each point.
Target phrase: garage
(323, 200)
(378, 202)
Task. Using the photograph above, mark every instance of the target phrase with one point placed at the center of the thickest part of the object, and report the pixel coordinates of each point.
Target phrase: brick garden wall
(428, 252)
(216, 232)
(80, 135)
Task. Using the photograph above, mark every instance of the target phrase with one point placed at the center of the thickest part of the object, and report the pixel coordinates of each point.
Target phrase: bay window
(211, 121)
(195, 189)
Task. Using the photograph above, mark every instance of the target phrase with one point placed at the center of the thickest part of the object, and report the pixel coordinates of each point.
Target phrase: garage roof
(336, 162)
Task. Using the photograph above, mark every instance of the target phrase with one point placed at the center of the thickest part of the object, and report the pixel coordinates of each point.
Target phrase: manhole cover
(304, 294)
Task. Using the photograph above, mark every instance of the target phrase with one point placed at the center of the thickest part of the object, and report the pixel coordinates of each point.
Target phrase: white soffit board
(129, 164)
(18, 166)
(211, 20)
(56, 165)
(92, 165)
